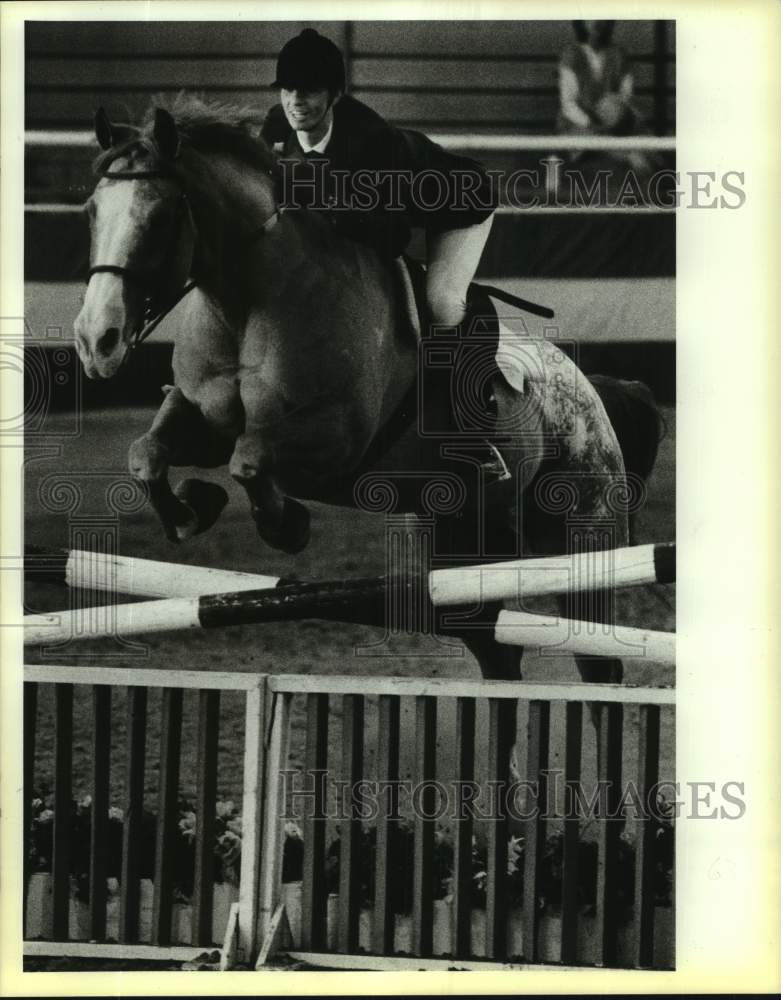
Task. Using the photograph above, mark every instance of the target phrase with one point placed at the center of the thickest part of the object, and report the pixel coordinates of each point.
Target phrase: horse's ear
(103, 130)
(166, 134)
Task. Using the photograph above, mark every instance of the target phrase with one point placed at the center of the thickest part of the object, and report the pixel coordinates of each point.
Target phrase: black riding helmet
(310, 62)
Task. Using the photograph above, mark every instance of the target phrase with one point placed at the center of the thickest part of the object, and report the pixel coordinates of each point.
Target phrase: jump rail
(494, 143)
(626, 567)
(366, 600)
(562, 635)
(84, 570)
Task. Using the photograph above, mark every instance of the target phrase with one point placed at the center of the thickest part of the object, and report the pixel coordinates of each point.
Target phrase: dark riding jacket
(377, 181)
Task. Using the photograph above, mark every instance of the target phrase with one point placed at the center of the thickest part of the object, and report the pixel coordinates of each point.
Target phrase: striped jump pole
(82, 570)
(562, 635)
(362, 600)
(587, 571)
(356, 601)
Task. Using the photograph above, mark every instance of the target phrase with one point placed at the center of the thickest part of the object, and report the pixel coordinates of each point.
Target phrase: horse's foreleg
(179, 436)
(281, 522)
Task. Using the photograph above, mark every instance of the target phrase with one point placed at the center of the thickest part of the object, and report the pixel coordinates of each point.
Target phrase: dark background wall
(432, 74)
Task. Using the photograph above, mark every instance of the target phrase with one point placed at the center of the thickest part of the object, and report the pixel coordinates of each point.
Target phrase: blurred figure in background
(596, 87)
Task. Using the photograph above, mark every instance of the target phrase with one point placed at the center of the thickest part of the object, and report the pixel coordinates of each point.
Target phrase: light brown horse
(294, 359)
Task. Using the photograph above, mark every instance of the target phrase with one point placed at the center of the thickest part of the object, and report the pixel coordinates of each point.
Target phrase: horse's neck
(310, 287)
(231, 203)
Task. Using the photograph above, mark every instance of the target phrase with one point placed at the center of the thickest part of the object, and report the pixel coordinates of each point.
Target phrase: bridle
(155, 313)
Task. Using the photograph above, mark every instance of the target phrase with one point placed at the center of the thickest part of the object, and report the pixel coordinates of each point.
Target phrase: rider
(447, 195)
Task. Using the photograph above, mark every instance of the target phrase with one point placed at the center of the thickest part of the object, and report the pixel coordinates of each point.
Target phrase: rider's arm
(569, 91)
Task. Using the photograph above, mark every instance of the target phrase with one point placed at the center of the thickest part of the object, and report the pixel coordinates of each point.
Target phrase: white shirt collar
(319, 147)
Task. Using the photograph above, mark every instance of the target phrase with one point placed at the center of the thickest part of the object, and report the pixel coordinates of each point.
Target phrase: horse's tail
(636, 419)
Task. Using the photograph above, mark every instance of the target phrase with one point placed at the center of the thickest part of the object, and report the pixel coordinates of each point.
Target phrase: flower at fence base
(116, 815)
(45, 816)
(293, 830)
(225, 810)
(187, 825)
(234, 825)
(229, 847)
(85, 803)
(481, 880)
(514, 854)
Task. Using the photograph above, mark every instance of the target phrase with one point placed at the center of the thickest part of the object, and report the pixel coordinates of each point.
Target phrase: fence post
(314, 902)
(168, 796)
(425, 771)
(272, 854)
(389, 716)
(30, 717)
(350, 842)
(130, 893)
(252, 819)
(63, 758)
(203, 880)
(99, 828)
(645, 853)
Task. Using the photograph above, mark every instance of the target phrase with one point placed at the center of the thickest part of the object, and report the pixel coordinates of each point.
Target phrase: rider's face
(307, 110)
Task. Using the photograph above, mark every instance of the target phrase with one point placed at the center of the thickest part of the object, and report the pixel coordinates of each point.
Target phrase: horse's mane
(205, 125)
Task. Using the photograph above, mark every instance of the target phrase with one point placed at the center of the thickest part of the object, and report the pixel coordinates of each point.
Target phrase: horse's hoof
(147, 459)
(188, 530)
(205, 500)
(293, 533)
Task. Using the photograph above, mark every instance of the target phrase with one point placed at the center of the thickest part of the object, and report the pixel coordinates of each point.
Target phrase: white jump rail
(80, 569)
(508, 142)
(532, 208)
(562, 635)
(632, 566)
(338, 599)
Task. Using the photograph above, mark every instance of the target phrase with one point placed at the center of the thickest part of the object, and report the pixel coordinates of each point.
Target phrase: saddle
(456, 373)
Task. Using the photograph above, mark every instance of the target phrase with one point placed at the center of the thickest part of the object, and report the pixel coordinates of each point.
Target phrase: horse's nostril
(108, 342)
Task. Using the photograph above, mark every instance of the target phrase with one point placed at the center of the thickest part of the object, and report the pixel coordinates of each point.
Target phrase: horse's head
(142, 240)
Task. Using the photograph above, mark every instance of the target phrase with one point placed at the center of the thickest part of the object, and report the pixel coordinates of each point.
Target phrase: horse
(294, 357)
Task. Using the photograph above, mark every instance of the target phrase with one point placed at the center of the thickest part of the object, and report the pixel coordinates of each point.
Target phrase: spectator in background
(595, 83)
(596, 88)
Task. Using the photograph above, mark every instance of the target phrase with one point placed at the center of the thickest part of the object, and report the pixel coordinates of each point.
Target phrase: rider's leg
(452, 259)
